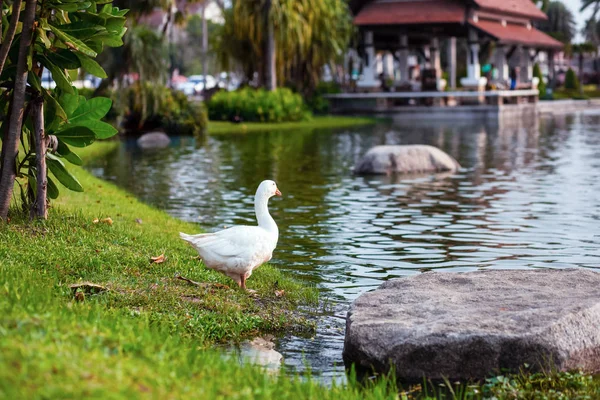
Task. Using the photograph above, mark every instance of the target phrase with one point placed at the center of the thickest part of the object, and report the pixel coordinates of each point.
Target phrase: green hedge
(258, 105)
(148, 107)
(319, 104)
(537, 72)
(571, 80)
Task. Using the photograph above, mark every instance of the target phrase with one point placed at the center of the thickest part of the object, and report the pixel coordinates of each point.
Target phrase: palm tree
(296, 38)
(591, 31)
(582, 49)
(593, 4)
(560, 23)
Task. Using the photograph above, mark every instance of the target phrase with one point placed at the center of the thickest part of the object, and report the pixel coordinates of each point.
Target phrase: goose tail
(186, 237)
(196, 239)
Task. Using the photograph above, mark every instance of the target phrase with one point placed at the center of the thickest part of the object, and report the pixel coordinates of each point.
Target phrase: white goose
(237, 251)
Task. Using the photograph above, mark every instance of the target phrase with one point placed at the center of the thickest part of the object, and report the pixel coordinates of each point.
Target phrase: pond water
(527, 196)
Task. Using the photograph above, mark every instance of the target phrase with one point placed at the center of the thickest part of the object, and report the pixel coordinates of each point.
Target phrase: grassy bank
(222, 127)
(589, 92)
(151, 335)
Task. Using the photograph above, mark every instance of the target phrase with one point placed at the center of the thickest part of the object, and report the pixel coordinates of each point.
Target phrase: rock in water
(476, 324)
(405, 159)
(153, 140)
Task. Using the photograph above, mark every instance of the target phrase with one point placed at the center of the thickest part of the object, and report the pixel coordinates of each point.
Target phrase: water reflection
(526, 197)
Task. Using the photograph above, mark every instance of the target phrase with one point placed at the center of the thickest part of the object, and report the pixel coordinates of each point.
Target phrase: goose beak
(277, 192)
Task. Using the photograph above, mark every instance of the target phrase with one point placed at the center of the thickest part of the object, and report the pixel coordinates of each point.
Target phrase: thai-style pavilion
(400, 27)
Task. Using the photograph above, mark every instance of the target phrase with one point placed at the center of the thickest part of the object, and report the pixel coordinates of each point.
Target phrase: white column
(434, 56)
(427, 54)
(403, 58)
(501, 63)
(527, 65)
(473, 79)
(452, 62)
(368, 79)
(388, 64)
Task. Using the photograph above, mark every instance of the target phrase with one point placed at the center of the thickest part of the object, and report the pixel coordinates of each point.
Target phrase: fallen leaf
(107, 221)
(95, 221)
(138, 220)
(87, 287)
(158, 259)
(279, 293)
(79, 296)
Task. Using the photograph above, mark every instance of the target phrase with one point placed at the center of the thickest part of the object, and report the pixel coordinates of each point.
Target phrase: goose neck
(263, 217)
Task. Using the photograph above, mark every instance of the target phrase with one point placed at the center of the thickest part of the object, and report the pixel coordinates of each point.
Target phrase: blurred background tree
(560, 23)
(307, 35)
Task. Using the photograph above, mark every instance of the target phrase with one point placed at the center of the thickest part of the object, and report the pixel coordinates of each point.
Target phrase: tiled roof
(411, 12)
(522, 8)
(516, 34)
(388, 12)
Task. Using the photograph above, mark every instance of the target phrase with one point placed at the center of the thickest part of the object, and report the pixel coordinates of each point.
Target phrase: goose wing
(239, 242)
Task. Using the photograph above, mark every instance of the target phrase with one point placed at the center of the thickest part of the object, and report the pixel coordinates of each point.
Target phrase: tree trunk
(204, 45)
(38, 208)
(270, 71)
(581, 73)
(10, 33)
(551, 71)
(10, 144)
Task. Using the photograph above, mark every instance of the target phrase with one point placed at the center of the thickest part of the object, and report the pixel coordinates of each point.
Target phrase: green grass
(153, 336)
(589, 92)
(222, 127)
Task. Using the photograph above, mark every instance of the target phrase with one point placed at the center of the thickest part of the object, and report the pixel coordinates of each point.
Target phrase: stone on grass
(261, 351)
(405, 159)
(473, 325)
(153, 140)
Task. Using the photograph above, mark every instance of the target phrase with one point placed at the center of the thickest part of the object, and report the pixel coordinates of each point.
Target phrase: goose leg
(243, 281)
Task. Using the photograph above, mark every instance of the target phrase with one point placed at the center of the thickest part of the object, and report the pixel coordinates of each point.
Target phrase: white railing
(420, 95)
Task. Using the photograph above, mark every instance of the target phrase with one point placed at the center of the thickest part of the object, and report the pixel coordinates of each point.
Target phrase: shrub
(143, 107)
(571, 80)
(281, 105)
(537, 73)
(319, 104)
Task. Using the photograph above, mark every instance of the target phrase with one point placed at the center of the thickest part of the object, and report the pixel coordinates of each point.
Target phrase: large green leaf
(9, 72)
(101, 130)
(82, 29)
(32, 181)
(70, 102)
(89, 17)
(70, 7)
(58, 116)
(73, 42)
(92, 109)
(115, 24)
(52, 189)
(78, 136)
(34, 81)
(58, 169)
(111, 39)
(57, 74)
(64, 58)
(66, 153)
(41, 35)
(91, 66)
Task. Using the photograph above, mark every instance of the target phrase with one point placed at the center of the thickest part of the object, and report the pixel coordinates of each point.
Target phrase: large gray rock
(403, 159)
(472, 325)
(153, 140)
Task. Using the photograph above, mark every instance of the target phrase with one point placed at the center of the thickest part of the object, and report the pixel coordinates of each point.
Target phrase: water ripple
(526, 197)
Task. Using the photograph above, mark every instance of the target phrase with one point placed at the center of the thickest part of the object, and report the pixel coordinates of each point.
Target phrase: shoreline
(318, 122)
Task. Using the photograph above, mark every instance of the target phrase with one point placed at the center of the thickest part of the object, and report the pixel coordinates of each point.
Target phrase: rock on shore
(153, 140)
(473, 325)
(390, 159)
